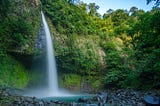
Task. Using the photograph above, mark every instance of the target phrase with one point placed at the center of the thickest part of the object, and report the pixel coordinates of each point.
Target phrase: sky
(119, 4)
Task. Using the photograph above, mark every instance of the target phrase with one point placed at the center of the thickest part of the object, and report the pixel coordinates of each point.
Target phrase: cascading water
(52, 89)
(52, 71)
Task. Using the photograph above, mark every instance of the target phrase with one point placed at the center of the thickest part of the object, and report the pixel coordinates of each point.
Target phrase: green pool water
(73, 98)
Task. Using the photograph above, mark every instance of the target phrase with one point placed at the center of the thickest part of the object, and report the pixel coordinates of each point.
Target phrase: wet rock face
(41, 39)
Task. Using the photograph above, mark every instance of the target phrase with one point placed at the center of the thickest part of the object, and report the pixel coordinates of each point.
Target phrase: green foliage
(117, 63)
(97, 84)
(112, 77)
(147, 48)
(12, 73)
(79, 57)
(76, 34)
(19, 25)
(93, 9)
(118, 16)
(69, 18)
(121, 49)
(132, 64)
(70, 81)
(126, 41)
(132, 80)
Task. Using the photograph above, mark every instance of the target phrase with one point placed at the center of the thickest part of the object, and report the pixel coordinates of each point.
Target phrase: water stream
(51, 65)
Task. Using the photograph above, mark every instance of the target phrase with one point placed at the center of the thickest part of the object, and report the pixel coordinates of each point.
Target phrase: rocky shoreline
(118, 97)
(130, 97)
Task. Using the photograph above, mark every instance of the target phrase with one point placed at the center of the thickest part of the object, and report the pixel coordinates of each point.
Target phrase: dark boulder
(83, 100)
(102, 97)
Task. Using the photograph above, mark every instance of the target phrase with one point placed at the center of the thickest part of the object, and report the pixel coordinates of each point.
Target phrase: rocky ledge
(120, 97)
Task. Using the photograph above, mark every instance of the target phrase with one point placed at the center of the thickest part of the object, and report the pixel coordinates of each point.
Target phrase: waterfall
(52, 89)
(51, 64)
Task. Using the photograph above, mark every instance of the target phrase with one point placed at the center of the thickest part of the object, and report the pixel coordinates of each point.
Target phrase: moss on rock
(12, 73)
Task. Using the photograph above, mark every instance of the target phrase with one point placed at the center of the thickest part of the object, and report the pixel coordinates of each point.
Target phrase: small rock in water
(56, 101)
(34, 98)
(151, 100)
(52, 101)
(41, 103)
(140, 104)
(28, 99)
(82, 100)
(25, 103)
(73, 103)
(102, 97)
(92, 105)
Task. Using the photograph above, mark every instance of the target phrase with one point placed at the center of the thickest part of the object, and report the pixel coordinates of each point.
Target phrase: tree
(133, 9)
(5, 7)
(108, 12)
(147, 41)
(119, 16)
(93, 9)
(83, 6)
